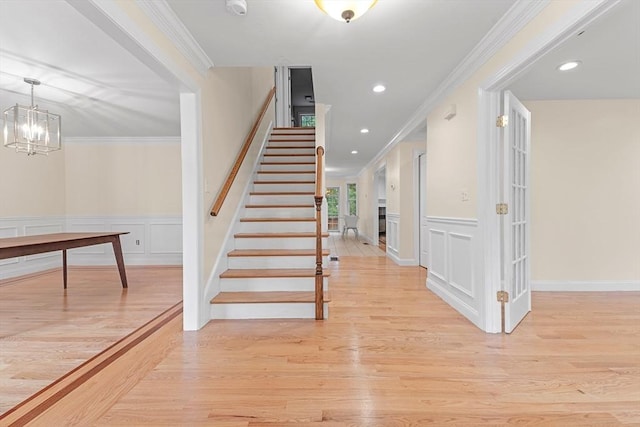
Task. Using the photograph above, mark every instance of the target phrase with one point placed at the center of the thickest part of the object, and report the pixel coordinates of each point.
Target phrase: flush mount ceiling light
(379, 88)
(345, 10)
(364, 130)
(569, 65)
(31, 130)
(354, 152)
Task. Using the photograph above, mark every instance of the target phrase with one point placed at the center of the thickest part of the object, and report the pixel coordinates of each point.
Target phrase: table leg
(117, 251)
(64, 267)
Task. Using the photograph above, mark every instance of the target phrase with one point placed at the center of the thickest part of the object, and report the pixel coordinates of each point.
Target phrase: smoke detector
(237, 7)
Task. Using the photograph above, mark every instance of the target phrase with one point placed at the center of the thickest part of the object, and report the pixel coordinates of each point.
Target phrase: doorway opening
(380, 208)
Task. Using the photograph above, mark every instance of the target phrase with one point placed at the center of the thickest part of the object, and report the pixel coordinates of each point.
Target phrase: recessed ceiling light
(379, 88)
(354, 152)
(569, 65)
(364, 130)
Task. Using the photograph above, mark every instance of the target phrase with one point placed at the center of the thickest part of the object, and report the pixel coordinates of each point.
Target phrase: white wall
(585, 190)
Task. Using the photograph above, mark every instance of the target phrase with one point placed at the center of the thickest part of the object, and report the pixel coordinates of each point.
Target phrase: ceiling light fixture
(569, 65)
(379, 88)
(354, 152)
(364, 130)
(345, 10)
(31, 130)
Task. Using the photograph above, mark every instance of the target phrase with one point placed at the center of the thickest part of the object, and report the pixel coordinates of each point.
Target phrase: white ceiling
(98, 87)
(610, 53)
(409, 45)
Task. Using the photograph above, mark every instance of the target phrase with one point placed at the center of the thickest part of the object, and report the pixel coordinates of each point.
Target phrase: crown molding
(518, 15)
(172, 27)
(151, 140)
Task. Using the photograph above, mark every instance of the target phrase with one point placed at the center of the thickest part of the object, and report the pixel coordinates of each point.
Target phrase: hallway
(391, 354)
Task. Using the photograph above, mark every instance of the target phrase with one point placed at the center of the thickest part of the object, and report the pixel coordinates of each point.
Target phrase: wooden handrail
(319, 288)
(217, 205)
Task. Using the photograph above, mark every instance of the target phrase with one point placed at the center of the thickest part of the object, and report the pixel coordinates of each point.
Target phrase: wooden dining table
(11, 247)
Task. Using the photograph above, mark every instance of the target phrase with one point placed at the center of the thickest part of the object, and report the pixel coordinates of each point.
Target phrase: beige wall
(31, 185)
(452, 145)
(401, 199)
(585, 190)
(128, 178)
(231, 102)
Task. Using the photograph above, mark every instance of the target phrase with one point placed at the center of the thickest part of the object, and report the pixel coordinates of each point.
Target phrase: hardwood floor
(350, 246)
(46, 331)
(391, 354)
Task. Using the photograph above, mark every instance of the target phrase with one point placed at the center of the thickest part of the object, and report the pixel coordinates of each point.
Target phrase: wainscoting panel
(393, 228)
(453, 268)
(151, 241)
(25, 226)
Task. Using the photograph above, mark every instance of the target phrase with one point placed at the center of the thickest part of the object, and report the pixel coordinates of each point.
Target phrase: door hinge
(502, 296)
(502, 208)
(502, 121)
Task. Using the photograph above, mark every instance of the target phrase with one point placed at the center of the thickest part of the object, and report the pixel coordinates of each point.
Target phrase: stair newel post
(319, 291)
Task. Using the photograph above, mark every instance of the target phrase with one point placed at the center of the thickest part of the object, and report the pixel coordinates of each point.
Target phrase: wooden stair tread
(249, 219)
(282, 193)
(297, 128)
(275, 252)
(289, 154)
(276, 235)
(286, 172)
(278, 206)
(249, 273)
(284, 182)
(287, 163)
(293, 147)
(266, 297)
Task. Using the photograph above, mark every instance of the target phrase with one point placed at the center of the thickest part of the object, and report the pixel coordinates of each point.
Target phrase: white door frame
(489, 108)
(417, 219)
(376, 181)
(283, 96)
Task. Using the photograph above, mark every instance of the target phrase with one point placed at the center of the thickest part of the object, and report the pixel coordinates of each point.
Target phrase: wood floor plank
(392, 353)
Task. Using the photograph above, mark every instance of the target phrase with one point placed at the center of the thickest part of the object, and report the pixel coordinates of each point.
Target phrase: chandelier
(31, 130)
(345, 10)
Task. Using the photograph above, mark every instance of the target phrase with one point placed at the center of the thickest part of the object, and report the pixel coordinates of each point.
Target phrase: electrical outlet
(464, 195)
(137, 242)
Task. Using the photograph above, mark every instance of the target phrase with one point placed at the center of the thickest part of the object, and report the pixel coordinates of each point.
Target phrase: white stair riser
(284, 167)
(292, 143)
(249, 262)
(288, 159)
(286, 176)
(283, 187)
(269, 284)
(305, 151)
(278, 227)
(304, 199)
(278, 243)
(280, 212)
(266, 311)
(298, 136)
(292, 131)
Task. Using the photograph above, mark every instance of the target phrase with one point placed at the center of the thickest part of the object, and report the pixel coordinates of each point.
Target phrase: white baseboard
(456, 303)
(401, 261)
(583, 286)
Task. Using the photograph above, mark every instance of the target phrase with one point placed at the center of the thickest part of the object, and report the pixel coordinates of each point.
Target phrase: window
(308, 120)
(333, 207)
(352, 199)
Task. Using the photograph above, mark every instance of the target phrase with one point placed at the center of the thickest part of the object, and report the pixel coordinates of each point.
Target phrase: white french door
(422, 212)
(515, 224)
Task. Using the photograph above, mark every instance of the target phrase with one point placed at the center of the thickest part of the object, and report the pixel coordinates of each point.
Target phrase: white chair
(350, 223)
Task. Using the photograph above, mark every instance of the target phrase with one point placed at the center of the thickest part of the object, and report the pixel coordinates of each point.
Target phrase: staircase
(271, 271)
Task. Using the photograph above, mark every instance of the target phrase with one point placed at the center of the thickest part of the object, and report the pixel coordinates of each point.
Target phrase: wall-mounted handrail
(319, 301)
(222, 195)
